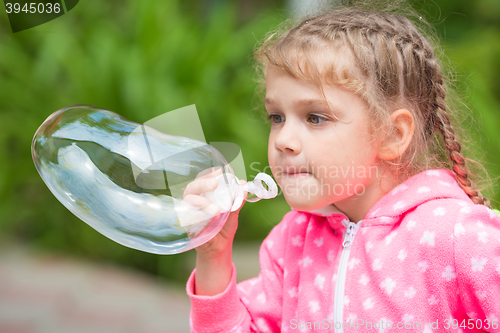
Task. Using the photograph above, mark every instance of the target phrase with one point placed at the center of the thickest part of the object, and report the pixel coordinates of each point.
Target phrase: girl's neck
(356, 207)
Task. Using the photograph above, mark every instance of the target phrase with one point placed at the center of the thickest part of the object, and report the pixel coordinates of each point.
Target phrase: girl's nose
(288, 140)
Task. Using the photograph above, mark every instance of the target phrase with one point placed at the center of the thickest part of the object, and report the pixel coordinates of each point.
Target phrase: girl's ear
(399, 136)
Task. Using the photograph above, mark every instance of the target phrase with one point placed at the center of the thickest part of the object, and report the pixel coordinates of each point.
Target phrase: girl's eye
(315, 119)
(276, 118)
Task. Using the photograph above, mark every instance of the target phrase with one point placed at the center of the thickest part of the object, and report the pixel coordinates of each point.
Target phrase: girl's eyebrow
(268, 101)
(311, 102)
(302, 102)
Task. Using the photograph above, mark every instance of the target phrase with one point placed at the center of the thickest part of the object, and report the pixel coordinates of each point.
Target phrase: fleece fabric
(424, 259)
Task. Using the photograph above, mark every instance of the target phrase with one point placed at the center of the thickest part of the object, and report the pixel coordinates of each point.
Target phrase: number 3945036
(33, 8)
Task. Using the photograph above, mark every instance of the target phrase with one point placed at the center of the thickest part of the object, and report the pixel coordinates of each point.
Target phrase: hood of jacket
(423, 187)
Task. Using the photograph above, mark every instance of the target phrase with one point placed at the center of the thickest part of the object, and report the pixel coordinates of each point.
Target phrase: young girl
(377, 238)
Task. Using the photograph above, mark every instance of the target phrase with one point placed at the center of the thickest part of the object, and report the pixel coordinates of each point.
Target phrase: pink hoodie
(424, 259)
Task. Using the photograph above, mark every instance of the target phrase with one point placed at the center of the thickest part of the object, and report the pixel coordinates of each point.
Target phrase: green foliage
(470, 33)
(478, 65)
(139, 59)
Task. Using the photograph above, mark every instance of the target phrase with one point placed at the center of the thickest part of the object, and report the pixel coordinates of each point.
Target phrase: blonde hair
(394, 66)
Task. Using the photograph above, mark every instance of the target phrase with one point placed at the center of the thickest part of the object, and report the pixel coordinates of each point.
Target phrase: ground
(42, 293)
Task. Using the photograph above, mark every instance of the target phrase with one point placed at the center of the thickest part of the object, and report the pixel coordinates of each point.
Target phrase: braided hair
(387, 61)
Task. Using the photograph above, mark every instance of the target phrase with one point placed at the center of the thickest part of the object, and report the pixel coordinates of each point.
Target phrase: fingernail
(212, 182)
(212, 209)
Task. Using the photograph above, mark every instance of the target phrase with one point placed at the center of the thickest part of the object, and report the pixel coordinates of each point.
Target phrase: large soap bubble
(127, 180)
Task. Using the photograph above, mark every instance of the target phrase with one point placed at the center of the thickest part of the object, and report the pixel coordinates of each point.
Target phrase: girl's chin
(302, 203)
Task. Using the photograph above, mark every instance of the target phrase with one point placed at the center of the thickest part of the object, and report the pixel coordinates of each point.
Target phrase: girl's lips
(296, 174)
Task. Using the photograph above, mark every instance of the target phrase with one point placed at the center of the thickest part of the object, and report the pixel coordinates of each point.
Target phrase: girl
(378, 239)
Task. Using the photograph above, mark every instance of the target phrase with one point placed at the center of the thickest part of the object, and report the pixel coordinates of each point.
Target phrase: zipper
(338, 309)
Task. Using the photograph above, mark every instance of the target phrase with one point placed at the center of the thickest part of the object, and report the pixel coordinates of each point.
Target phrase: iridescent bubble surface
(126, 180)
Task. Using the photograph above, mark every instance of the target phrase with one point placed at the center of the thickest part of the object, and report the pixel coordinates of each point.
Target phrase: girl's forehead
(325, 65)
(283, 89)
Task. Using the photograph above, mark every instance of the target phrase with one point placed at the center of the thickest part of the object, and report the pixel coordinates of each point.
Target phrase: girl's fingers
(210, 173)
(205, 181)
(202, 203)
(201, 185)
(197, 201)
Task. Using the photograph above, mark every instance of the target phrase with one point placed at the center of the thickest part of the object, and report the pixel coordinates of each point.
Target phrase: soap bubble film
(126, 180)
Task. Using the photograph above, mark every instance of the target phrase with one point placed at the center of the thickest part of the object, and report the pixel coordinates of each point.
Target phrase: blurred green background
(144, 58)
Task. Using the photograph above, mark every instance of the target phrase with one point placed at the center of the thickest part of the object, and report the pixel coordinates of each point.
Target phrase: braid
(430, 84)
(460, 168)
(417, 53)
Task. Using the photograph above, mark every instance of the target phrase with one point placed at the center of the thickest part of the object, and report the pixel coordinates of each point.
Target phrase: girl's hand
(222, 242)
